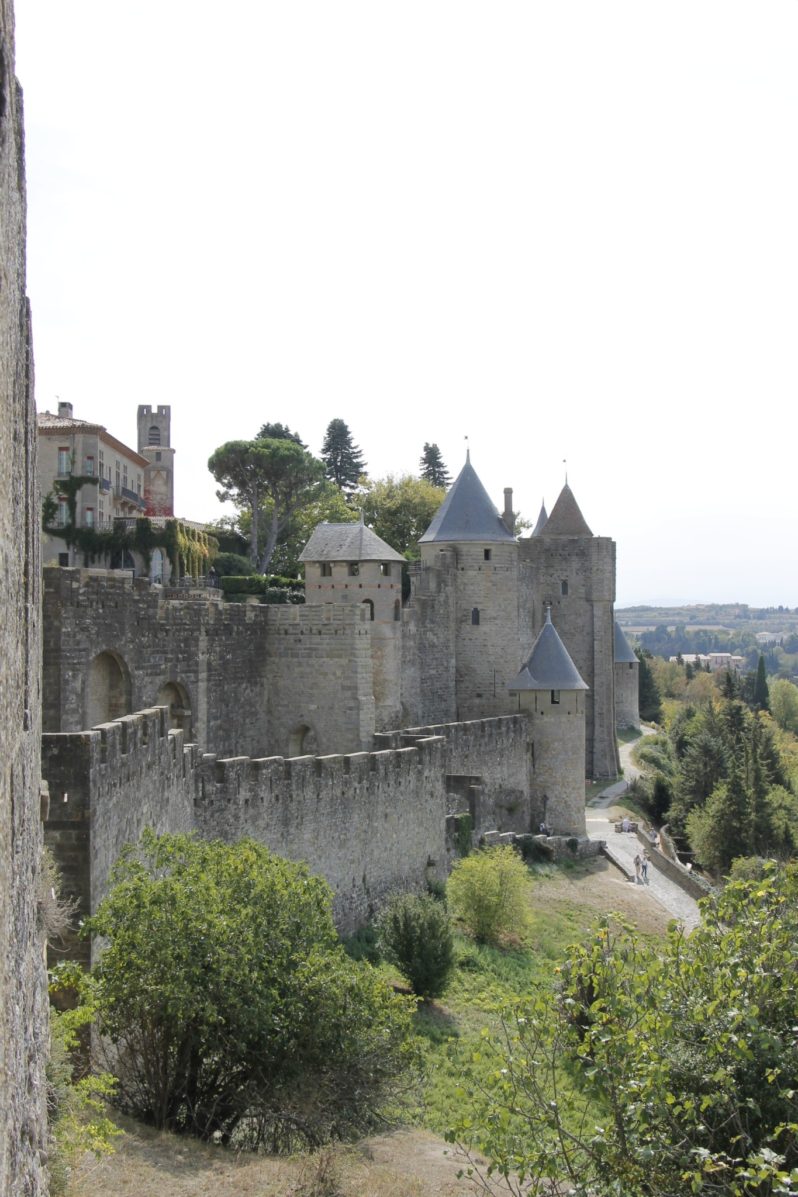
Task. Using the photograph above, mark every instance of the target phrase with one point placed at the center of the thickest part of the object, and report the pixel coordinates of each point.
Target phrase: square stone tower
(155, 444)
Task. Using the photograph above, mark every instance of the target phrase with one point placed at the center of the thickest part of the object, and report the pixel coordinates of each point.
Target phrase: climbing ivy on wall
(190, 550)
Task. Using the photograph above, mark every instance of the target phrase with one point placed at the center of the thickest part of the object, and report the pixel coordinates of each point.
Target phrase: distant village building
(715, 662)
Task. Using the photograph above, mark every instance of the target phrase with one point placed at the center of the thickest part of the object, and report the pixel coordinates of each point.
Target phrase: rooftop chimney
(509, 514)
(65, 410)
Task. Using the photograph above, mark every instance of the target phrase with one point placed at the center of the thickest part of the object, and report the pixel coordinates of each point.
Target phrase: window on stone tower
(555, 697)
(397, 611)
(486, 554)
(475, 616)
(368, 604)
(385, 569)
(326, 569)
(563, 587)
(154, 435)
(354, 569)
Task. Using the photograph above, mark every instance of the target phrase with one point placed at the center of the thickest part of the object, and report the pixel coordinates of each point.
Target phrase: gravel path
(625, 846)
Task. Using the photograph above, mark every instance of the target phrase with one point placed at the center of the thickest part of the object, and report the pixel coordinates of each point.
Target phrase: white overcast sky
(563, 229)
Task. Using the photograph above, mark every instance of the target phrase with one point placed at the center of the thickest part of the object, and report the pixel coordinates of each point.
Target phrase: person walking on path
(638, 868)
(644, 867)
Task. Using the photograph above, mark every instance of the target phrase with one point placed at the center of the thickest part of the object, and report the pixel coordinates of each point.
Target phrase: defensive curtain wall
(369, 822)
(23, 990)
(236, 678)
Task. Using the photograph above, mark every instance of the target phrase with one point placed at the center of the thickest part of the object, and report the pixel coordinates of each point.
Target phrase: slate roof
(467, 512)
(542, 521)
(347, 542)
(549, 667)
(46, 421)
(566, 519)
(623, 650)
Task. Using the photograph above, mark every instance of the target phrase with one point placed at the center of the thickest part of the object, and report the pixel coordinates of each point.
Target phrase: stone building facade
(627, 682)
(23, 992)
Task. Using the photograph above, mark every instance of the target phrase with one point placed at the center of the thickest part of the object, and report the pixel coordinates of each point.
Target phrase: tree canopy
(280, 432)
(343, 460)
(230, 1004)
(432, 466)
(268, 479)
(400, 509)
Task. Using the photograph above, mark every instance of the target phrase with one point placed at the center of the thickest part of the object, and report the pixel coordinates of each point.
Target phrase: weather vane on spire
(468, 448)
(565, 463)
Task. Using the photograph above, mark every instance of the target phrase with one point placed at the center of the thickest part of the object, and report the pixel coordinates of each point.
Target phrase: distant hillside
(718, 616)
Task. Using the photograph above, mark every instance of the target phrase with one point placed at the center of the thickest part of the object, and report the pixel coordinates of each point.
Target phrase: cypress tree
(432, 468)
(649, 703)
(343, 461)
(761, 692)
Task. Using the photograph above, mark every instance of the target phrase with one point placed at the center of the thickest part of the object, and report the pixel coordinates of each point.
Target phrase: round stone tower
(485, 571)
(550, 691)
(627, 682)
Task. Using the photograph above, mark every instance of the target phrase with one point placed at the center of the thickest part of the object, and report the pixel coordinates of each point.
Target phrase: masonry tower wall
(23, 993)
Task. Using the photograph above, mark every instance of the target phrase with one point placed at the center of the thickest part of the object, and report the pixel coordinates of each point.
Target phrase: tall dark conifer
(343, 460)
(761, 692)
(432, 468)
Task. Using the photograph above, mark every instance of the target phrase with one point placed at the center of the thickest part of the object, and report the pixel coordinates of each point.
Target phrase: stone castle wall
(428, 677)
(557, 747)
(486, 763)
(369, 823)
(23, 992)
(108, 784)
(253, 677)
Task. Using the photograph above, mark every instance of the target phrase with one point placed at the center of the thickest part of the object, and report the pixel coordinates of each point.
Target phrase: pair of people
(641, 868)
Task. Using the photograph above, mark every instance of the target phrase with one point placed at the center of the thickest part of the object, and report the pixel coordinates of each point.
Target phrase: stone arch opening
(108, 689)
(154, 435)
(369, 605)
(175, 697)
(302, 741)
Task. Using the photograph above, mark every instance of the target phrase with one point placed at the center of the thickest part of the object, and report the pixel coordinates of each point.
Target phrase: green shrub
(487, 891)
(232, 564)
(231, 1006)
(363, 945)
(415, 935)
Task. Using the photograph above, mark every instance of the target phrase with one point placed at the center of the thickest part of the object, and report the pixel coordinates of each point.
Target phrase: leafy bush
(230, 1004)
(415, 935)
(232, 564)
(487, 891)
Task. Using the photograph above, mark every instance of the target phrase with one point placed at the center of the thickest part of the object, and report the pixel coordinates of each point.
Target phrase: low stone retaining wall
(696, 887)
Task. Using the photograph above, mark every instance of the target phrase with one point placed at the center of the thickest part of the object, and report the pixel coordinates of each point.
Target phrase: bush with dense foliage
(487, 892)
(656, 1069)
(230, 1005)
(415, 935)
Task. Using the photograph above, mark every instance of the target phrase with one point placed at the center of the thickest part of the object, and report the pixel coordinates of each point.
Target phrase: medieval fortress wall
(370, 823)
(23, 993)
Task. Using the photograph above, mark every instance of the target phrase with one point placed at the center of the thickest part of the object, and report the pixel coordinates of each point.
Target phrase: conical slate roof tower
(467, 513)
(566, 519)
(549, 666)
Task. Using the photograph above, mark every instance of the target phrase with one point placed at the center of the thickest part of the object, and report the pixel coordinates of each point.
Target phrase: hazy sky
(564, 229)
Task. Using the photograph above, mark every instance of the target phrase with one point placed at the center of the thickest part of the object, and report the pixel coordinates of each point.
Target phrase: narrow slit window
(564, 587)
(555, 697)
(475, 616)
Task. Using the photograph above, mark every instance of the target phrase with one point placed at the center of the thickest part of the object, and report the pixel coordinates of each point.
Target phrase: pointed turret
(549, 666)
(466, 513)
(551, 694)
(624, 654)
(566, 519)
(542, 520)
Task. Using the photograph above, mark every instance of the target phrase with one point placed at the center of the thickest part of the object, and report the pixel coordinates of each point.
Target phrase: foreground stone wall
(23, 995)
(370, 823)
(106, 786)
